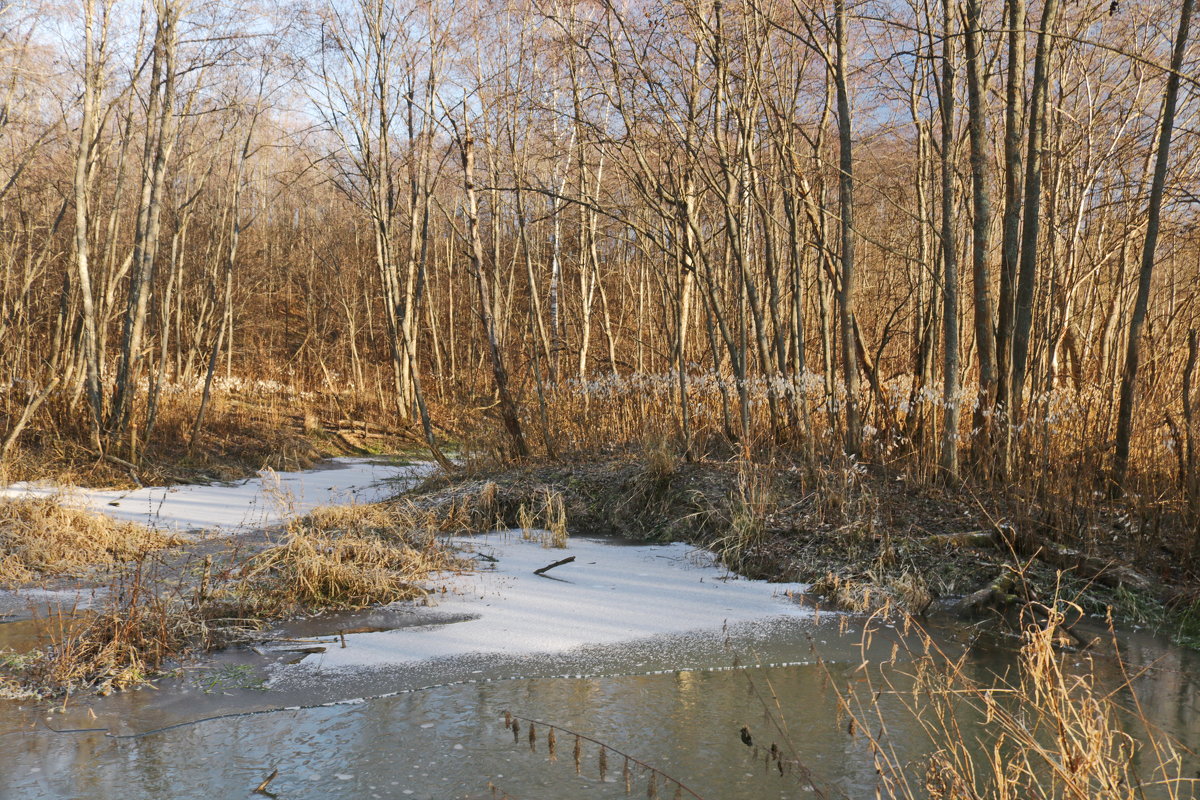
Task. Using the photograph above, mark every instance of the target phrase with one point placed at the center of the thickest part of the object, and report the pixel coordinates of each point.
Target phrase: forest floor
(240, 439)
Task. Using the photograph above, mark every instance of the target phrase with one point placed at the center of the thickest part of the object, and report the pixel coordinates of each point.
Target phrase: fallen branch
(955, 540)
(549, 567)
(120, 462)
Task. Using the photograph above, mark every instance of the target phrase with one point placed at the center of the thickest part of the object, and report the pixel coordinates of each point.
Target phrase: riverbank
(864, 538)
(546, 590)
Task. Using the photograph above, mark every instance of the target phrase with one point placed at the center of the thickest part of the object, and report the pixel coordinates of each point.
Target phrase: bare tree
(948, 460)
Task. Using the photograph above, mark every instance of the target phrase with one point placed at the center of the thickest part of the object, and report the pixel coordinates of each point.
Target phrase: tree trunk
(1153, 222)
(159, 145)
(508, 408)
(1027, 275)
(948, 460)
(985, 335)
(853, 441)
(83, 161)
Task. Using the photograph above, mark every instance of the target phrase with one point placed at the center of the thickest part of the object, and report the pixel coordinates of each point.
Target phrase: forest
(958, 241)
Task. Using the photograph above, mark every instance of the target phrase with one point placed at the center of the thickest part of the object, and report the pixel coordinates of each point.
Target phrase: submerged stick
(549, 567)
(262, 787)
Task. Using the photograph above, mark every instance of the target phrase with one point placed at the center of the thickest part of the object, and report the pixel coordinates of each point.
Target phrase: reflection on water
(448, 741)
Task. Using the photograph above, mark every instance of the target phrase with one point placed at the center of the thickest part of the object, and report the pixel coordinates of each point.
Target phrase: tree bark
(985, 334)
(508, 408)
(948, 459)
(1027, 275)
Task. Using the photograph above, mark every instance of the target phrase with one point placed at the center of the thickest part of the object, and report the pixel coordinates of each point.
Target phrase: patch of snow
(252, 503)
(610, 594)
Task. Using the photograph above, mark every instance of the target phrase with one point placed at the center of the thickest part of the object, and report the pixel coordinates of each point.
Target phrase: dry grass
(249, 425)
(124, 644)
(343, 557)
(543, 517)
(335, 558)
(1050, 475)
(745, 516)
(41, 536)
(1055, 730)
(661, 460)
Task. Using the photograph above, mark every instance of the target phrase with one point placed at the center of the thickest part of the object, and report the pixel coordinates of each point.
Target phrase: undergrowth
(1056, 728)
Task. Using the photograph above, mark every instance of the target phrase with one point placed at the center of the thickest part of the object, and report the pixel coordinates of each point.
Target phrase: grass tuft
(344, 557)
(335, 558)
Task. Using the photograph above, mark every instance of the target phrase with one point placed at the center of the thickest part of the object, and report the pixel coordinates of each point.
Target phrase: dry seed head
(628, 775)
(526, 522)
(552, 745)
(652, 786)
(516, 729)
(532, 738)
(603, 762)
(508, 720)
(578, 754)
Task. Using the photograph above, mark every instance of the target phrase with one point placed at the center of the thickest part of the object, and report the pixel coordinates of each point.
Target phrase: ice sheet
(610, 594)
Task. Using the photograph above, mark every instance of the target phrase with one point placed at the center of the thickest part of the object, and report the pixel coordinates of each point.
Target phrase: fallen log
(548, 567)
(997, 594)
(1106, 573)
(1103, 571)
